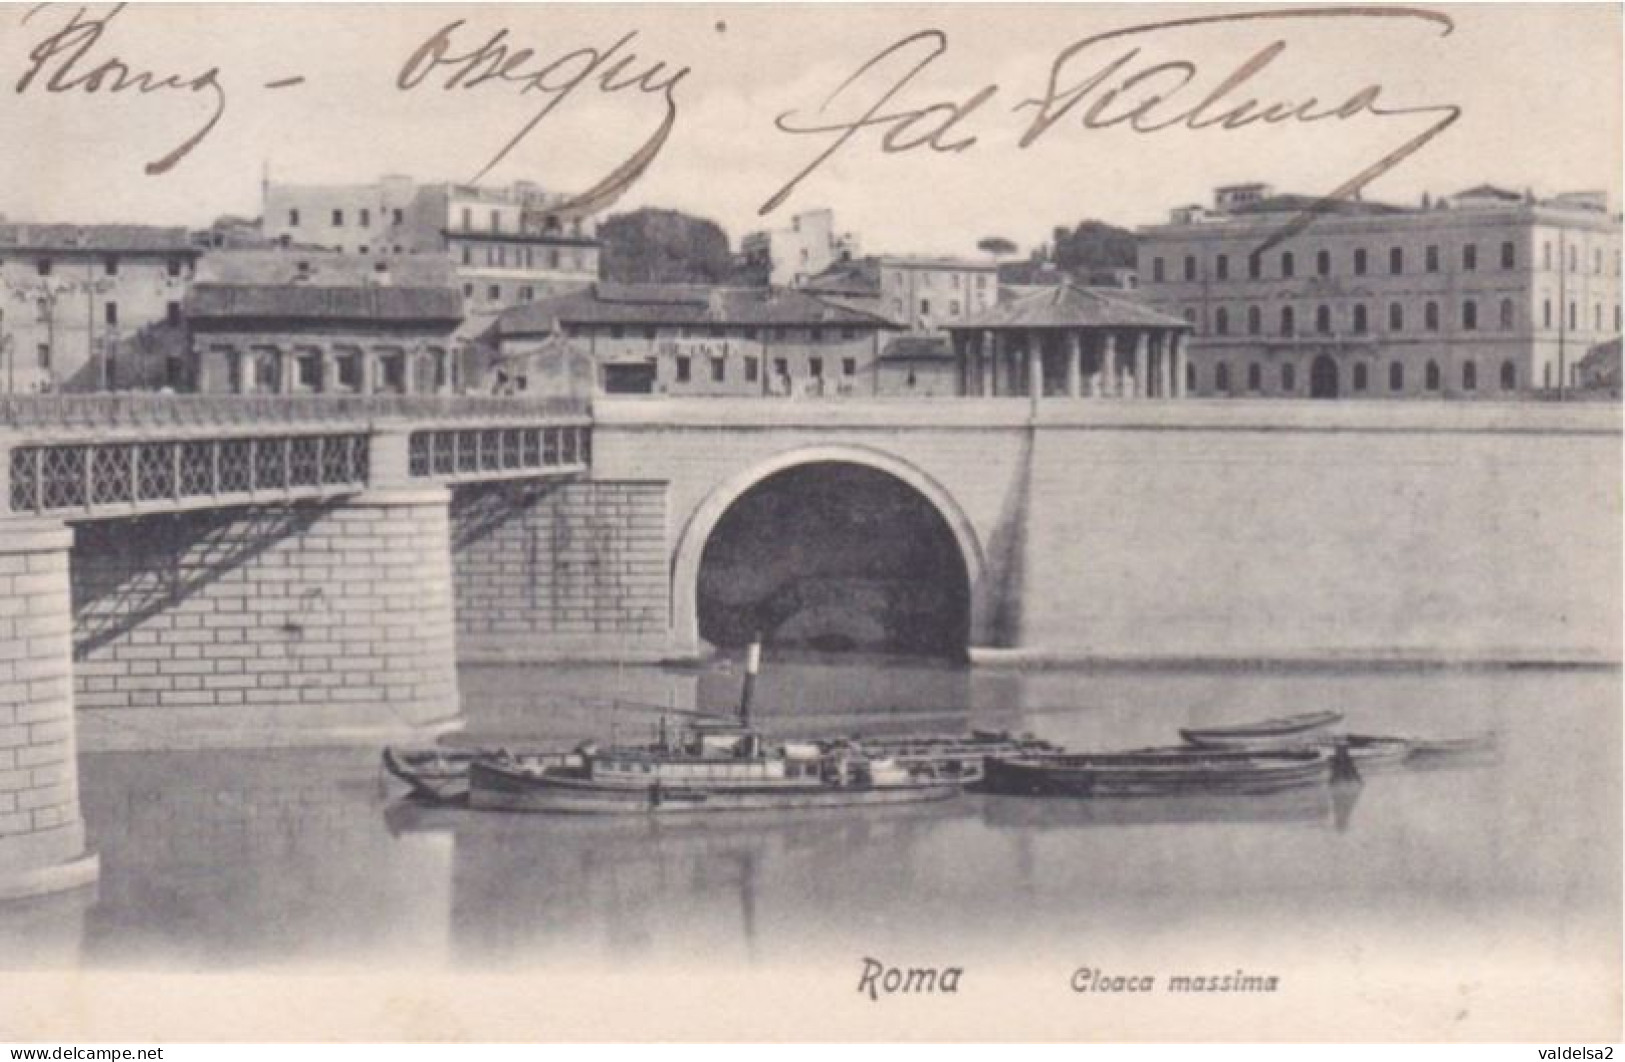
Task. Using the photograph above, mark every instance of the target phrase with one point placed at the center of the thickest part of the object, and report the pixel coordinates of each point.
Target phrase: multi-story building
(92, 307)
(695, 340)
(508, 245)
(1487, 293)
(805, 249)
(929, 294)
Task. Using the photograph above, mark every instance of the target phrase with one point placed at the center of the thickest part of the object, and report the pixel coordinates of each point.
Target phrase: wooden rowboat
(1427, 750)
(1285, 730)
(1160, 772)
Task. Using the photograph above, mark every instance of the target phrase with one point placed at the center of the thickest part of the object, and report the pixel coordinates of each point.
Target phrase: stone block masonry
(1267, 532)
(561, 571)
(319, 623)
(42, 833)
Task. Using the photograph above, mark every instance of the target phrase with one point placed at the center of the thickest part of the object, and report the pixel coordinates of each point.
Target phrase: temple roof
(1068, 306)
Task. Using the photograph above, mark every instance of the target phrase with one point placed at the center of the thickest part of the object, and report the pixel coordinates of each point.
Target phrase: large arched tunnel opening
(834, 555)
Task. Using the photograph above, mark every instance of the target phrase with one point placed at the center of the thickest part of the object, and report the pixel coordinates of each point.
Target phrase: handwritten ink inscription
(70, 60)
(1099, 88)
(1101, 81)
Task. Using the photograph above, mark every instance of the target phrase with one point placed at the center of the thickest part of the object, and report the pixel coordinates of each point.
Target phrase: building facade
(804, 249)
(930, 294)
(698, 340)
(508, 245)
(1485, 294)
(92, 307)
(296, 339)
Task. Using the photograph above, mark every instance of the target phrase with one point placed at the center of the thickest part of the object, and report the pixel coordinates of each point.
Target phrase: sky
(1538, 87)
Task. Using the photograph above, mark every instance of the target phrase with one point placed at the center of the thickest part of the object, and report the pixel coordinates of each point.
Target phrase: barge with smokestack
(709, 766)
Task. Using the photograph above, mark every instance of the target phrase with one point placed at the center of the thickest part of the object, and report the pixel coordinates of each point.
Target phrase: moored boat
(1428, 750)
(1162, 772)
(747, 776)
(440, 776)
(1283, 730)
(957, 756)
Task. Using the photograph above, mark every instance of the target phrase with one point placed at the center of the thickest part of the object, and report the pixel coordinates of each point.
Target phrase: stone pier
(42, 833)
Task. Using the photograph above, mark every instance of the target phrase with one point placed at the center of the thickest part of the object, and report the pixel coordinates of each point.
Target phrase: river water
(239, 860)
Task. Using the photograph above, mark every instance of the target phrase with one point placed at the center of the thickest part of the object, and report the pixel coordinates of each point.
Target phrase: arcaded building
(291, 339)
(1485, 294)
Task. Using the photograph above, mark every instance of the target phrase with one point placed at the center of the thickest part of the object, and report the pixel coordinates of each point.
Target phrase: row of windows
(1432, 376)
(777, 334)
(925, 307)
(175, 266)
(110, 312)
(526, 257)
(1360, 321)
(781, 368)
(1360, 262)
(493, 292)
(363, 217)
(930, 279)
(550, 225)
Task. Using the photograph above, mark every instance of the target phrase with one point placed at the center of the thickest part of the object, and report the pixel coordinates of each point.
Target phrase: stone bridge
(188, 572)
(246, 570)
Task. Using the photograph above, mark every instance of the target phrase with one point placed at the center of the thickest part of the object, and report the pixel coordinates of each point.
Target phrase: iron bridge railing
(112, 455)
(489, 453)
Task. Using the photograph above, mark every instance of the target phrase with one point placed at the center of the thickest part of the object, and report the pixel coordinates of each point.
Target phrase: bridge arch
(697, 530)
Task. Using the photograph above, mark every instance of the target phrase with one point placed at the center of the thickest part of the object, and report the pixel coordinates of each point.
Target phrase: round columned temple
(1070, 341)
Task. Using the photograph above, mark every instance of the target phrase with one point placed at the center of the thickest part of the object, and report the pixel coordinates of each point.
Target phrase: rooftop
(860, 276)
(438, 305)
(679, 304)
(909, 261)
(132, 239)
(1068, 306)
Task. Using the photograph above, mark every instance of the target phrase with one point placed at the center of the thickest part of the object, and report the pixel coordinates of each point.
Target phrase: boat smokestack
(753, 664)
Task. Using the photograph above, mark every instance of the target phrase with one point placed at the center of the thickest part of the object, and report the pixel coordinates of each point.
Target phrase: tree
(997, 246)
(1093, 245)
(653, 246)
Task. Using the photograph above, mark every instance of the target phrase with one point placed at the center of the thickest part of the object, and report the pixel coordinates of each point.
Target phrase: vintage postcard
(1066, 522)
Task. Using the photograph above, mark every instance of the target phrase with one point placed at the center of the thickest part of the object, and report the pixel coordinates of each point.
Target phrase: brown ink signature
(1116, 91)
(440, 61)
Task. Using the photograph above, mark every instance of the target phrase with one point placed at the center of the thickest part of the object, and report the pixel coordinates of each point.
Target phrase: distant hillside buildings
(400, 287)
(507, 245)
(1489, 293)
(805, 248)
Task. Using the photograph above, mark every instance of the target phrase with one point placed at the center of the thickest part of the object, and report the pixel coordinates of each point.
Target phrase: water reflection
(260, 859)
(1329, 806)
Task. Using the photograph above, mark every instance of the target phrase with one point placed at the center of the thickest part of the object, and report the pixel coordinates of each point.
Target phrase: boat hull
(1159, 773)
(440, 776)
(1288, 731)
(498, 789)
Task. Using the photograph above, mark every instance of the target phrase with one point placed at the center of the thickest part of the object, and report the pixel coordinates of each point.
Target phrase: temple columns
(1074, 365)
(989, 352)
(1035, 365)
(1142, 358)
(1165, 365)
(1181, 365)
